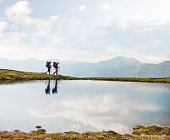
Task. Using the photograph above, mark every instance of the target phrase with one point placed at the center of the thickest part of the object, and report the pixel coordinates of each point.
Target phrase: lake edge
(14, 76)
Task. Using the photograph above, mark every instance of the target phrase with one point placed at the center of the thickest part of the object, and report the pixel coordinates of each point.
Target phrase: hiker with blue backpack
(48, 65)
(55, 65)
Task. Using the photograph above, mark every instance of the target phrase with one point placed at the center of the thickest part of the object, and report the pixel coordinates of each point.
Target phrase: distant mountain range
(116, 67)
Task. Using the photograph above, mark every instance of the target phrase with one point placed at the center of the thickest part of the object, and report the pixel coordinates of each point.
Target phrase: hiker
(47, 90)
(55, 65)
(48, 65)
(54, 90)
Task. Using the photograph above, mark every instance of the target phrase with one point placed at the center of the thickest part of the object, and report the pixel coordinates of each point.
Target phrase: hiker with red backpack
(48, 65)
(55, 65)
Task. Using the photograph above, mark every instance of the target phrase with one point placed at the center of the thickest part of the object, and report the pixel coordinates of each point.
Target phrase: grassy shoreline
(13, 75)
(130, 79)
(140, 132)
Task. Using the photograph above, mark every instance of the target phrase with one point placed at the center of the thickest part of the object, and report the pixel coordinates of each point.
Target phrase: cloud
(42, 27)
(20, 8)
(53, 18)
(135, 36)
(93, 36)
(119, 9)
(41, 115)
(14, 37)
(105, 6)
(3, 25)
(104, 112)
(53, 39)
(140, 24)
(82, 8)
(19, 13)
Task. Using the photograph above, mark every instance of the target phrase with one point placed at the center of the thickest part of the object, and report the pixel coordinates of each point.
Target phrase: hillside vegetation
(140, 132)
(12, 75)
(130, 79)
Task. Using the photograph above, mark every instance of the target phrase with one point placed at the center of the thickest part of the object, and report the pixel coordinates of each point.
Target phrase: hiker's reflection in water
(55, 90)
(47, 90)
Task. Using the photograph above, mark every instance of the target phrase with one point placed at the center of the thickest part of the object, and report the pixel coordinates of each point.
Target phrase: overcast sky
(85, 30)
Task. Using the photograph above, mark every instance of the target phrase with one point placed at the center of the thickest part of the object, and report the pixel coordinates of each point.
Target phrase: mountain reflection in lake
(83, 105)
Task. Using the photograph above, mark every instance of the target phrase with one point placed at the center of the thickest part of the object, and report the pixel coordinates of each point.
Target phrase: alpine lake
(83, 105)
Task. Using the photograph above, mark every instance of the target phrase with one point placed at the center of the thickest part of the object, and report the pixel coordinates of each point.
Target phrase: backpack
(47, 63)
(57, 64)
(54, 64)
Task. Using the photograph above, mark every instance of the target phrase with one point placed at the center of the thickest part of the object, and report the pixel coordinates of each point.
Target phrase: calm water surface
(83, 105)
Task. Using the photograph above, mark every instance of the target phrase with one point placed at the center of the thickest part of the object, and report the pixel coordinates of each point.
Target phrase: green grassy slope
(130, 79)
(12, 75)
(140, 132)
(19, 75)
